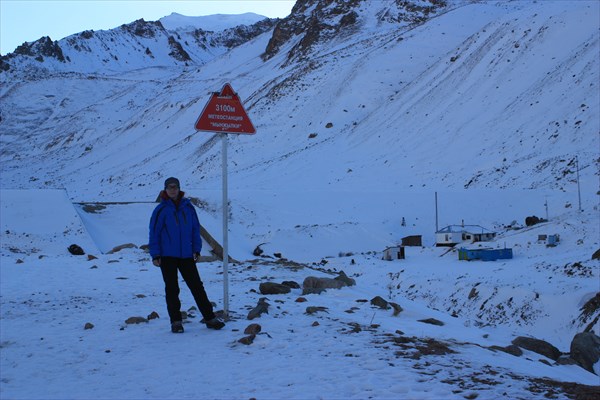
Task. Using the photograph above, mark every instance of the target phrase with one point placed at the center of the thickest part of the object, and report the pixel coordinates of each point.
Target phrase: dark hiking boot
(177, 327)
(215, 323)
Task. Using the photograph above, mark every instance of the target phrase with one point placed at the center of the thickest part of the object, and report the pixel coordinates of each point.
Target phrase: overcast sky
(28, 20)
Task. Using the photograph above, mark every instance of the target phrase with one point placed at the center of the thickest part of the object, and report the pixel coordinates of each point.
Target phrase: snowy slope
(401, 110)
(217, 22)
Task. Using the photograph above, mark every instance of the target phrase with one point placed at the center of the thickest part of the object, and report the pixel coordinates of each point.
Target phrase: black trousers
(189, 272)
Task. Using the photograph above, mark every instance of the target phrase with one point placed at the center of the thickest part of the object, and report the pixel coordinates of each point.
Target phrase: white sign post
(224, 113)
(225, 228)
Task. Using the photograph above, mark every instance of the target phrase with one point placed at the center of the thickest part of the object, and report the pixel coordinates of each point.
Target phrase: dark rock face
(317, 21)
(273, 288)
(43, 47)
(538, 346)
(142, 28)
(177, 51)
(585, 350)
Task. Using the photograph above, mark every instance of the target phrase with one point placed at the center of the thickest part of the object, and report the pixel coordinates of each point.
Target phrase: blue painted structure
(484, 254)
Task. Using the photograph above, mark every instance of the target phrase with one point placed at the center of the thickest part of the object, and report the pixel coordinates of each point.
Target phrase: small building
(455, 234)
(552, 240)
(413, 240)
(393, 253)
(484, 254)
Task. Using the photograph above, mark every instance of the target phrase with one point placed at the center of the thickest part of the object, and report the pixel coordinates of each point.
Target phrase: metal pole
(436, 214)
(578, 186)
(225, 229)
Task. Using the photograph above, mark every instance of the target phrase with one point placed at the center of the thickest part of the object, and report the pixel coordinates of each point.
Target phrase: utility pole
(436, 214)
(578, 185)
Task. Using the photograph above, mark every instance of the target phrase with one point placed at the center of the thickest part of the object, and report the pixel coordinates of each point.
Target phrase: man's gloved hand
(196, 257)
(156, 261)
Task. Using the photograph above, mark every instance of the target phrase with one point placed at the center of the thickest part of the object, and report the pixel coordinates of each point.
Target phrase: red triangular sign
(225, 113)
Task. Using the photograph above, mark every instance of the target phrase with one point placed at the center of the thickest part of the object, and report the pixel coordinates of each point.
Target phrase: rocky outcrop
(585, 350)
(315, 285)
(313, 22)
(537, 346)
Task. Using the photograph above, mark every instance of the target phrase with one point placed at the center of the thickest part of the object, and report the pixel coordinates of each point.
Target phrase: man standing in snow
(175, 245)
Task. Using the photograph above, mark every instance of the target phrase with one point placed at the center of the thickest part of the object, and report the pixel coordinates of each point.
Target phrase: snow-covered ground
(351, 349)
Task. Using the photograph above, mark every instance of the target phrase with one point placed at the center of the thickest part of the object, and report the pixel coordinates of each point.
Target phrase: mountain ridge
(134, 45)
(484, 80)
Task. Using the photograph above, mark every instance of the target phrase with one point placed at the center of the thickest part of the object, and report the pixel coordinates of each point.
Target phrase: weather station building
(452, 235)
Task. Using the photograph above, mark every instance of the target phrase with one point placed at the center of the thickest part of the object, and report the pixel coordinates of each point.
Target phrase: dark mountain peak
(319, 21)
(43, 47)
(142, 28)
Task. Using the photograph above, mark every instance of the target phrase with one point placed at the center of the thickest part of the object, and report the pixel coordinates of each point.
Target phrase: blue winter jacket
(174, 229)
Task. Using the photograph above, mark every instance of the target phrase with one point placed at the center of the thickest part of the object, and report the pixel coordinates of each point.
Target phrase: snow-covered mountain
(365, 110)
(467, 95)
(214, 23)
(173, 40)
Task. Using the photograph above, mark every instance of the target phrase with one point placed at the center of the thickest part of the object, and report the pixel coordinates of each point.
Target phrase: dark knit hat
(171, 181)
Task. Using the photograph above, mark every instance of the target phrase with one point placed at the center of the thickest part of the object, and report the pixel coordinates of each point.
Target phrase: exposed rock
(585, 350)
(258, 251)
(177, 51)
(537, 346)
(91, 257)
(153, 315)
(43, 47)
(121, 247)
(432, 321)
(378, 301)
(76, 250)
(314, 285)
(596, 255)
(291, 284)
(247, 340)
(566, 360)
(589, 311)
(141, 28)
(273, 288)
(135, 320)
(473, 293)
(314, 309)
(261, 307)
(314, 22)
(431, 347)
(344, 278)
(396, 307)
(252, 329)
(88, 325)
(510, 349)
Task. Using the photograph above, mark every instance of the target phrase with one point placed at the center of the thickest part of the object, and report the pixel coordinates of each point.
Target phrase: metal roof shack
(413, 240)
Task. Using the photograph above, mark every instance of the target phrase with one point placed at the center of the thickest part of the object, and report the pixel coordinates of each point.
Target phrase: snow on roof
(465, 228)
